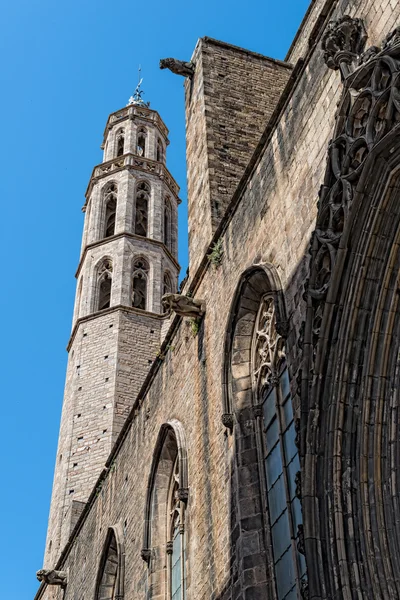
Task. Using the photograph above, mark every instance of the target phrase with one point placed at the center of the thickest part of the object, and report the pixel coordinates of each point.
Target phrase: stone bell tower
(128, 261)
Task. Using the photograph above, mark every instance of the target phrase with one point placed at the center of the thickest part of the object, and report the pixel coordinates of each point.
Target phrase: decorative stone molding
(341, 438)
(170, 547)
(183, 305)
(179, 67)
(52, 577)
(343, 42)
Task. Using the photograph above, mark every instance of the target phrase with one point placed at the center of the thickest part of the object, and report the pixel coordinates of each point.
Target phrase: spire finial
(137, 94)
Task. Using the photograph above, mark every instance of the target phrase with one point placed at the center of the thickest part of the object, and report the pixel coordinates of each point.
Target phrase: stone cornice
(134, 162)
(131, 236)
(130, 112)
(108, 311)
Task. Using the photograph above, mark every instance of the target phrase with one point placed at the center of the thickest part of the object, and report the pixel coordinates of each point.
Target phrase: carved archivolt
(344, 441)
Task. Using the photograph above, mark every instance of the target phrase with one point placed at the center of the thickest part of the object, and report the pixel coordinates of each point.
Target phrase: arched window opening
(142, 208)
(120, 143)
(280, 453)
(111, 209)
(111, 574)
(167, 223)
(256, 385)
(167, 284)
(139, 285)
(160, 151)
(166, 505)
(104, 284)
(141, 142)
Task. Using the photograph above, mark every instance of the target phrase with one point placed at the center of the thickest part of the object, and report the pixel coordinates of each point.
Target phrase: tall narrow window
(160, 151)
(104, 282)
(176, 545)
(281, 460)
(110, 196)
(142, 208)
(141, 142)
(166, 505)
(167, 283)
(120, 142)
(110, 576)
(139, 284)
(167, 223)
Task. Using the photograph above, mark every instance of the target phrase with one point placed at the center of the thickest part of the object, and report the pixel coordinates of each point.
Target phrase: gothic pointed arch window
(142, 208)
(141, 141)
(160, 151)
(256, 385)
(110, 200)
(111, 573)
(167, 223)
(120, 142)
(140, 283)
(166, 506)
(104, 284)
(167, 283)
(280, 454)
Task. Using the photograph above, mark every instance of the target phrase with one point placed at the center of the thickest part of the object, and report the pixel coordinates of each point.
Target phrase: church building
(237, 437)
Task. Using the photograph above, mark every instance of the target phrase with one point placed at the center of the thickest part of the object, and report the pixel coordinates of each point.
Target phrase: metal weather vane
(137, 99)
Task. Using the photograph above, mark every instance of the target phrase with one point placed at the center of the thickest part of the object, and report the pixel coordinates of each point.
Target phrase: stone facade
(303, 283)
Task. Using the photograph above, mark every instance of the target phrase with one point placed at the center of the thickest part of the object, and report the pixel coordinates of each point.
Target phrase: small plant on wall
(215, 256)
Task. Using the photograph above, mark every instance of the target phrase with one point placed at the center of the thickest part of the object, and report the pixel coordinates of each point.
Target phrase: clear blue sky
(64, 67)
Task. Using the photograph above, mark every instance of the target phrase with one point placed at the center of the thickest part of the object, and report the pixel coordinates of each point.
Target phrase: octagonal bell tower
(128, 261)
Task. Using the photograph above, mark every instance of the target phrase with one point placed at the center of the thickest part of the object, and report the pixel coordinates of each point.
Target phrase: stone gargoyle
(52, 577)
(179, 67)
(183, 305)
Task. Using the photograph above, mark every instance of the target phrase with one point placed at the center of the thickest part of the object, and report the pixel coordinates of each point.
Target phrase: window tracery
(139, 285)
(280, 453)
(104, 283)
(142, 208)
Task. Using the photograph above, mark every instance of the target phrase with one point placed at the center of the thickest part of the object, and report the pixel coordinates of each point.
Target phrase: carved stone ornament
(368, 110)
(179, 67)
(227, 420)
(268, 346)
(183, 494)
(183, 305)
(368, 114)
(52, 577)
(170, 547)
(145, 553)
(343, 42)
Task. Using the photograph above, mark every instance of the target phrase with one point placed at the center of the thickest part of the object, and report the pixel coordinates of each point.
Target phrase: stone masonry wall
(272, 223)
(109, 358)
(228, 102)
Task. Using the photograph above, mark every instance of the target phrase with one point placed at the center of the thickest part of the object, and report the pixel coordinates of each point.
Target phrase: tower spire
(137, 99)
